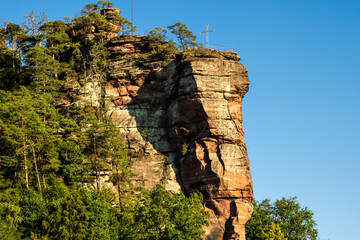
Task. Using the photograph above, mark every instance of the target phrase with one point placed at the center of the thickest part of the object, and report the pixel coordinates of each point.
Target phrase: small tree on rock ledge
(185, 36)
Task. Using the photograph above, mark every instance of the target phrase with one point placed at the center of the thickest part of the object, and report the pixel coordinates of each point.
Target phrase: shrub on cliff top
(185, 36)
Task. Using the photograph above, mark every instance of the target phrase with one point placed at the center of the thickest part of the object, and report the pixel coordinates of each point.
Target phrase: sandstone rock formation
(110, 15)
(181, 119)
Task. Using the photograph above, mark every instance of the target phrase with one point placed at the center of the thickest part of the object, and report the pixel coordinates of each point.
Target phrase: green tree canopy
(283, 219)
(53, 155)
(162, 215)
(184, 35)
(105, 4)
(158, 34)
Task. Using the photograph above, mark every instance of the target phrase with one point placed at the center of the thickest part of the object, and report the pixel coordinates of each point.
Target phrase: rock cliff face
(181, 119)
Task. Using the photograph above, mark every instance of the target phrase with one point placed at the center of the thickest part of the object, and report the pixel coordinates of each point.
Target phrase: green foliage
(145, 134)
(158, 34)
(284, 219)
(75, 164)
(30, 137)
(50, 154)
(105, 4)
(104, 223)
(91, 26)
(58, 41)
(184, 35)
(8, 232)
(100, 143)
(46, 71)
(126, 27)
(10, 213)
(13, 34)
(185, 149)
(272, 232)
(161, 215)
(160, 50)
(12, 73)
(68, 218)
(91, 7)
(34, 208)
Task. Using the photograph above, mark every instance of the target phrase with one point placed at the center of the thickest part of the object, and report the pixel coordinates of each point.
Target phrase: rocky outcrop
(181, 120)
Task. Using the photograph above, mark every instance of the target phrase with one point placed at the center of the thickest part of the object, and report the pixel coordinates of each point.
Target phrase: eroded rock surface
(181, 119)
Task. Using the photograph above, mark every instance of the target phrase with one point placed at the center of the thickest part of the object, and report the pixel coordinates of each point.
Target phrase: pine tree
(26, 138)
(185, 36)
(68, 219)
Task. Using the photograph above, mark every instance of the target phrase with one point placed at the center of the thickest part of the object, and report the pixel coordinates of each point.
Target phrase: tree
(34, 208)
(91, 7)
(68, 218)
(33, 22)
(8, 232)
(101, 145)
(57, 43)
(105, 4)
(49, 154)
(273, 232)
(25, 137)
(284, 219)
(17, 117)
(13, 45)
(119, 162)
(104, 223)
(185, 36)
(163, 215)
(11, 54)
(158, 34)
(13, 35)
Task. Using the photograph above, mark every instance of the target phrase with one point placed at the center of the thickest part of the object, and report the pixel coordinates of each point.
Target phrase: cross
(207, 35)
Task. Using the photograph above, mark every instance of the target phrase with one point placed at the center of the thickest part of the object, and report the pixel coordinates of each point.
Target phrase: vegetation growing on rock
(53, 153)
(57, 141)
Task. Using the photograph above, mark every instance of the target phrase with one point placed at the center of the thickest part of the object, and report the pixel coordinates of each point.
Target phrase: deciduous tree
(284, 218)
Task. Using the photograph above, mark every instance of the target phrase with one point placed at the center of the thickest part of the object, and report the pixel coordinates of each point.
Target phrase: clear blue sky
(302, 113)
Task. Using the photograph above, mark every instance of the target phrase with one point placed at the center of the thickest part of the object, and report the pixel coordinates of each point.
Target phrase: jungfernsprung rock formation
(181, 119)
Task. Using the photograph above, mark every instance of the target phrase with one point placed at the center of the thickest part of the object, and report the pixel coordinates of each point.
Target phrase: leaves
(51, 154)
(185, 36)
(162, 215)
(284, 219)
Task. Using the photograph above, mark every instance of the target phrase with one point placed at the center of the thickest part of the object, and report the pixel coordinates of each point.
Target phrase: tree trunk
(26, 165)
(98, 179)
(117, 179)
(182, 41)
(36, 169)
(14, 66)
(55, 74)
(44, 83)
(42, 172)
(44, 181)
(97, 170)
(25, 158)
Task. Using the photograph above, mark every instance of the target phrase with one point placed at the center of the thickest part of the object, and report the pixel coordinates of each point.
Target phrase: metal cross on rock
(207, 35)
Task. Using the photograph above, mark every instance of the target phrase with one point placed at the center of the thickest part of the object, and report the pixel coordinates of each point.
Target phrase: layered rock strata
(181, 120)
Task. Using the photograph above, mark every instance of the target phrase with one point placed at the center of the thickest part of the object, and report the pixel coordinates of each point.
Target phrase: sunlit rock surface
(181, 119)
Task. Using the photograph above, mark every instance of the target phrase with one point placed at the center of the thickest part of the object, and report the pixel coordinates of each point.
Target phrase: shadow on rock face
(182, 122)
(171, 119)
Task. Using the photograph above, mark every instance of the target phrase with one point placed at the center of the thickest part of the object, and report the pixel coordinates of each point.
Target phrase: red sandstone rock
(191, 104)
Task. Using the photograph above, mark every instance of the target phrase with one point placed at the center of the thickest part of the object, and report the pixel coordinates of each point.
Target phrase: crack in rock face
(181, 119)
